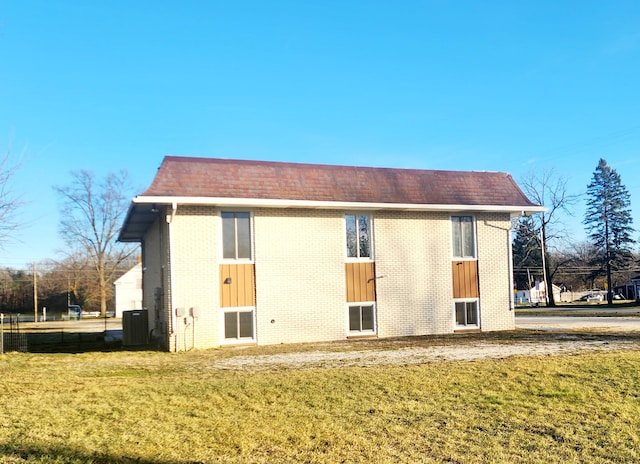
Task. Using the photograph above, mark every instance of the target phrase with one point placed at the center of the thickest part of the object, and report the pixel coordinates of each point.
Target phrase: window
(463, 237)
(239, 325)
(361, 318)
(467, 313)
(358, 236)
(236, 235)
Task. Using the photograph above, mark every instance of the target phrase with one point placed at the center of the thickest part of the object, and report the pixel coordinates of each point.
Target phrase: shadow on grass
(22, 452)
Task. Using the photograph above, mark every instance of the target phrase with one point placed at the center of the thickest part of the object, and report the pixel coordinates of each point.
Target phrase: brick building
(238, 252)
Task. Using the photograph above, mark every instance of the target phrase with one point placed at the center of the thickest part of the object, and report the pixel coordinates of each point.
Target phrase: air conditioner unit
(135, 327)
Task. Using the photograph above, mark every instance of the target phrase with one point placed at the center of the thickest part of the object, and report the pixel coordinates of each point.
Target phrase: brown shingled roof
(263, 180)
(264, 183)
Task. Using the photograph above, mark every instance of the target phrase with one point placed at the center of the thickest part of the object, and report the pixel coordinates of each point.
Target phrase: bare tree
(72, 277)
(546, 188)
(91, 215)
(9, 201)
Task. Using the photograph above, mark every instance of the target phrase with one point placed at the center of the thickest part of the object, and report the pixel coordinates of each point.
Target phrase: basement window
(239, 325)
(362, 319)
(467, 314)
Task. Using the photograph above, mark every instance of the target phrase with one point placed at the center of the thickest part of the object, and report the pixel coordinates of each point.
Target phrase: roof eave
(143, 209)
(279, 203)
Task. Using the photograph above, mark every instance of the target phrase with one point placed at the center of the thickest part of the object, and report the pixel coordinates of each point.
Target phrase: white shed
(128, 290)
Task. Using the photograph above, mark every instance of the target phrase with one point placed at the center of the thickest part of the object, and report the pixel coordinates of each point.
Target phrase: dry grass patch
(161, 408)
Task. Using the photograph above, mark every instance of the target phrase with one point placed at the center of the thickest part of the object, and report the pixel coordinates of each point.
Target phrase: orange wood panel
(360, 280)
(241, 287)
(465, 279)
(250, 287)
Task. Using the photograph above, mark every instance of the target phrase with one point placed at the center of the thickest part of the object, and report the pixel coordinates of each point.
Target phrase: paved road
(609, 324)
(83, 325)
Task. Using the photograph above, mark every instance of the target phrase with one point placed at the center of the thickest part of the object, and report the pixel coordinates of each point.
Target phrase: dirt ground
(412, 354)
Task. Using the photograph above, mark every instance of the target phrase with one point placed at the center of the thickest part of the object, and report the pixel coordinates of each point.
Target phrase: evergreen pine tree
(608, 220)
(527, 253)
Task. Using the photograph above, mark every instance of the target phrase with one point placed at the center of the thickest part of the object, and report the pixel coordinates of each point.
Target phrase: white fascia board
(275, 203)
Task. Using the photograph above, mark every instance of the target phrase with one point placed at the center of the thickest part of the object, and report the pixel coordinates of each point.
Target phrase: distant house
(538, 294)
(128, 290)
(630, 290)
(254, 252)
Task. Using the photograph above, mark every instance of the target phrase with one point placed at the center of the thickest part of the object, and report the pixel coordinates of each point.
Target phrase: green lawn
(151, 407)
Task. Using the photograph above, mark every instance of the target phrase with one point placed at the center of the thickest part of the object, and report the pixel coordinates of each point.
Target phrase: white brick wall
(300, 278)
(195, 272)
(494, 236)
(413, 263)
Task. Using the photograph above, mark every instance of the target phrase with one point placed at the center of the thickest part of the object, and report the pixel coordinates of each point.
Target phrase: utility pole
(35, 293)
(544, 268)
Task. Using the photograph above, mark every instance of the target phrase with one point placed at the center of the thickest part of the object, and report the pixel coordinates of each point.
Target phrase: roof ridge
(197, 159)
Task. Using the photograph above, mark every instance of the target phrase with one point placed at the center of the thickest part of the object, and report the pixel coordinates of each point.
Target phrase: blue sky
(473, 85)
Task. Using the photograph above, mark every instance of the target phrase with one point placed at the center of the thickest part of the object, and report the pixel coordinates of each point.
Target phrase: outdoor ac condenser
(135, 327)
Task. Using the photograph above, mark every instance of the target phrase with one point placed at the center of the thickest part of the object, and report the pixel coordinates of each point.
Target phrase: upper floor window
(236, 235)
(463, 237)
(358, 236)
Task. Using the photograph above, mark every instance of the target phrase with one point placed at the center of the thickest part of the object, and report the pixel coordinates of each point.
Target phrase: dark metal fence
(12, 338)
(18, 333)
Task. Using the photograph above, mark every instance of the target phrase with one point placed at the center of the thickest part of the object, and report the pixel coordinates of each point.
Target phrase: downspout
(512, 303)
(172, 310)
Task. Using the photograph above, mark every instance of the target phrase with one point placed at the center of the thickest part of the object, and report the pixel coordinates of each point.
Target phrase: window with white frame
(236, 235)
(239, 325)
(362, 318)
(358, 228)
(467, 313)
(463, 237)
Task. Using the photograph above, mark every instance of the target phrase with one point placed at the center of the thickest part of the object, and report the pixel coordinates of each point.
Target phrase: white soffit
(275, 203)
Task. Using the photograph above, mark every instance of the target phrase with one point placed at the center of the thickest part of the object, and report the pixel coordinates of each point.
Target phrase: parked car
(592, 297)
(74, 312)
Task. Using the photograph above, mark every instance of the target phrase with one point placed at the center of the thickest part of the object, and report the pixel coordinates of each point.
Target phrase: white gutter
(172, 309)
(512, 297)
(276, 203)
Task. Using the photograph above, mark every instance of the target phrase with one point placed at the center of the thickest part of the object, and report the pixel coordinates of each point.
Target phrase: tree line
(92, 211)
(72, 280)
(543, 249)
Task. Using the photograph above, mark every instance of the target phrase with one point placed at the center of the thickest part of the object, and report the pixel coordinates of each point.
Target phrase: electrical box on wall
(195, 311)
(180, 312)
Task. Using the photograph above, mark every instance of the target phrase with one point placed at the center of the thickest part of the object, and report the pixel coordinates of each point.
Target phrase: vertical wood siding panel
(366, 281)
(250, 289)
(475, 282)
(235, 284)
(360, 282)
(465, 279)
(357, 281)
(472, 279)
(370, 282)
(350, 282)
(455, 273)
(245, 290)
(242, 289)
